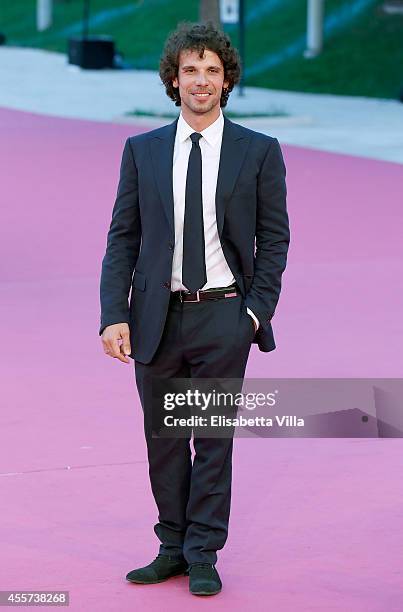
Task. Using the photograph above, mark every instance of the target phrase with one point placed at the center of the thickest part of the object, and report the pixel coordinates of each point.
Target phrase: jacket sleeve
(123, 245)
(272, 236)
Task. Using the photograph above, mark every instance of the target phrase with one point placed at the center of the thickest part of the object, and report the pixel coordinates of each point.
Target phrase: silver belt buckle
(194, 301)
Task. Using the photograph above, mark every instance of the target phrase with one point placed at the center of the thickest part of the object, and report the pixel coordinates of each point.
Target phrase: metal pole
(43, 14)
(242, 44)
(314, 28)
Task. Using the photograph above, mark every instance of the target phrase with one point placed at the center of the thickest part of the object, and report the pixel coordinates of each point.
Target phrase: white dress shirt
(218, 272)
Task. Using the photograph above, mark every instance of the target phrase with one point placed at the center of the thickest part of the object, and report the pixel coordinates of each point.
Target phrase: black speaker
(92, 53)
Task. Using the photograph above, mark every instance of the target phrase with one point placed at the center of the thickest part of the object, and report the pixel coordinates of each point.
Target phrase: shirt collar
(211, 134)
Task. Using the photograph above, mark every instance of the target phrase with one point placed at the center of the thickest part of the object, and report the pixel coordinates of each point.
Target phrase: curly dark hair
(198, 37)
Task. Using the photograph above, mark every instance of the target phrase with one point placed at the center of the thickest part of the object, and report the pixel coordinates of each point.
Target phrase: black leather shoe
(162, 568)
(204, 579)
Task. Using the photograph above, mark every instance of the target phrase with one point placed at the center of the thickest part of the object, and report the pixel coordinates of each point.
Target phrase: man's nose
(201, 79)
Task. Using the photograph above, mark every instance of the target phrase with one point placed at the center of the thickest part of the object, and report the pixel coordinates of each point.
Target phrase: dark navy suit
(209, 339)
(250, 204)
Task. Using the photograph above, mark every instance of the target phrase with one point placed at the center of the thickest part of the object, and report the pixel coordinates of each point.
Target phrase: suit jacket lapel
(234, 145)
(162, 150)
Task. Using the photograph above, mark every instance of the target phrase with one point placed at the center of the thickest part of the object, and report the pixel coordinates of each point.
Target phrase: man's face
(200, 81)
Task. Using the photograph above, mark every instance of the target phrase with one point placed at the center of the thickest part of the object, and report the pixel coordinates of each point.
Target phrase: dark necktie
(194, 275)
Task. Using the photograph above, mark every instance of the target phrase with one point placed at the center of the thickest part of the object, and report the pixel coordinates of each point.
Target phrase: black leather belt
(209, 294)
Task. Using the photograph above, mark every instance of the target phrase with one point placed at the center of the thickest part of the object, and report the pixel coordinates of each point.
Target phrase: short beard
(203, 109)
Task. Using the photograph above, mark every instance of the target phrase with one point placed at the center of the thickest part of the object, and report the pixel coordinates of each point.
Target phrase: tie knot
(195, 137)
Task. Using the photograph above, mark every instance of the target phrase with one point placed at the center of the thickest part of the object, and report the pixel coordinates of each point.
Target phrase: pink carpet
(316, 524)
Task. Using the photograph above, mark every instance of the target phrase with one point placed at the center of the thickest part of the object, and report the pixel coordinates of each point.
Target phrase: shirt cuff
(254, 317)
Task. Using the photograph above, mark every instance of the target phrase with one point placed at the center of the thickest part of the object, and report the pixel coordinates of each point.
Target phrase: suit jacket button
(171, 246)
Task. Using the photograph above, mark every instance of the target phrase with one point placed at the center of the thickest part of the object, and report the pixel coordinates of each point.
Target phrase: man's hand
(116, 341)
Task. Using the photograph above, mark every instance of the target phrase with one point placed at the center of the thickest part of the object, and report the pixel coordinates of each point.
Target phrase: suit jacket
(252, 225)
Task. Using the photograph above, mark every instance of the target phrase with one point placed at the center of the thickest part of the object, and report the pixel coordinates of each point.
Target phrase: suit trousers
(208, 339)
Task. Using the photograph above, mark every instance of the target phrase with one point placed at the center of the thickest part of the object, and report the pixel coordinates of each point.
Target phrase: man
(193, 198)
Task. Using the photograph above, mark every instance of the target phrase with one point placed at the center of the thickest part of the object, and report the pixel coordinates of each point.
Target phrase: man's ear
(175, 83)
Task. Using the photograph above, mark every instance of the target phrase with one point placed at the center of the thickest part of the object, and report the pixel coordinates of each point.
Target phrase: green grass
(366, 58)
(139, 35)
